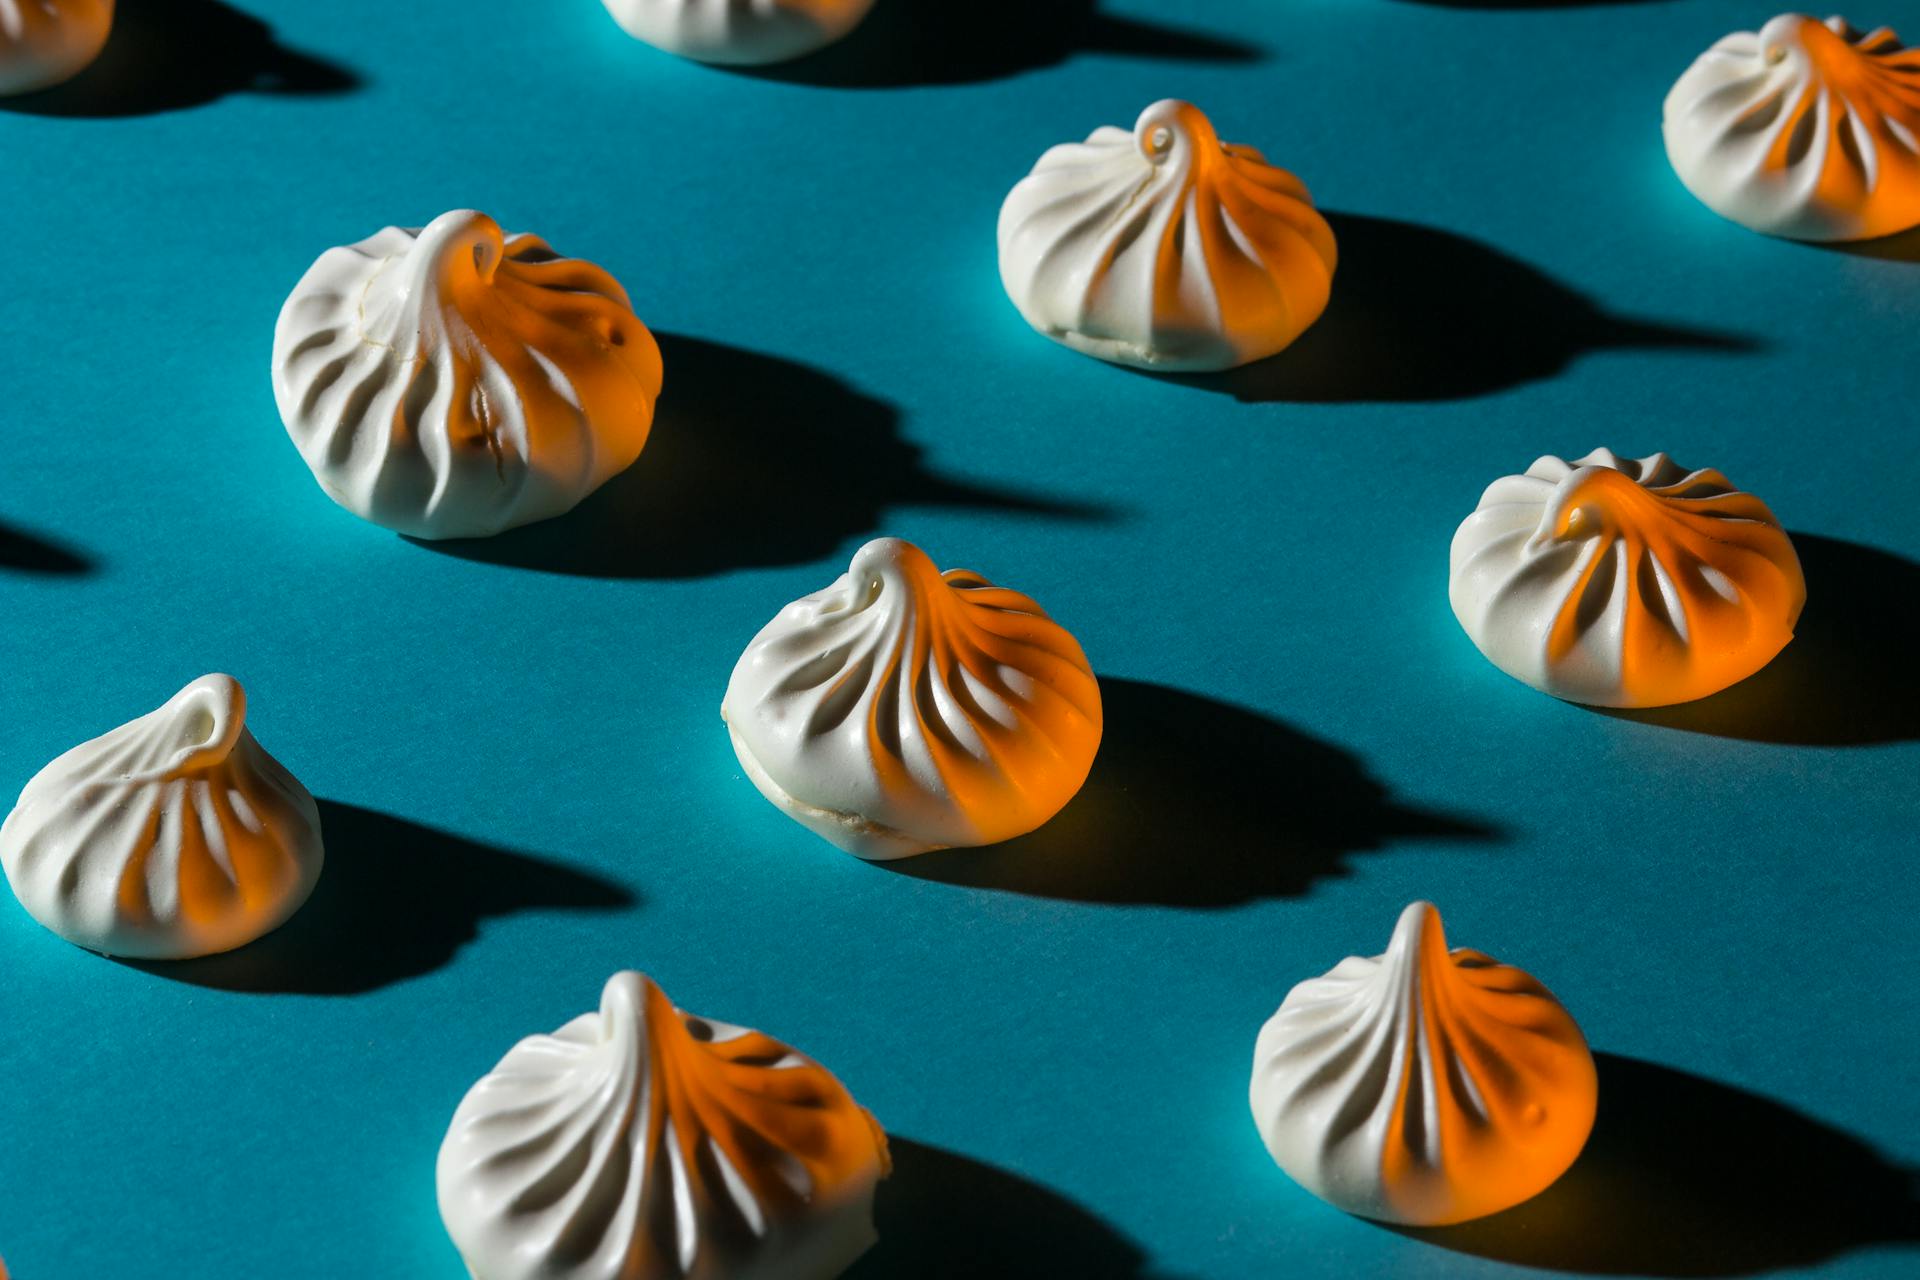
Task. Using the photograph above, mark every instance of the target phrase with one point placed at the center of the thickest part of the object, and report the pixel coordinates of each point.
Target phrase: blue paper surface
(526, 779)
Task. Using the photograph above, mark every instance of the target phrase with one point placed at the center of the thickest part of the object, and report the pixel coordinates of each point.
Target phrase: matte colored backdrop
(526, 781)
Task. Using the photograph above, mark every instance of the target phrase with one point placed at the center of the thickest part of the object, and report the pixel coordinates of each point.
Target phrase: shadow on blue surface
(395, 900)
(754, 462)
(942, 1216)
(167, 55)
(1687, 1177)
(1195, 803)
(920, 42)
(23, 552)
(1849, 676)
(1517, 6)
(1904, 247)
(1420, 314)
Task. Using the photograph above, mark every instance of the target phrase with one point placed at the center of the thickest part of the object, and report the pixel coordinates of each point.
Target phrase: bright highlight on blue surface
(526, 782)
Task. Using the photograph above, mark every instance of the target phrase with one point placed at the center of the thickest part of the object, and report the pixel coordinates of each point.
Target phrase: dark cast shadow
(1521, 6)
(943, 1216)
(1195, 803)
(23, 552)
(1848, 677)
(395, 900)
(753, 462)
(168, 55)
(1420, 314)
(1901, 247)
(1687, 1177)
(931, 42)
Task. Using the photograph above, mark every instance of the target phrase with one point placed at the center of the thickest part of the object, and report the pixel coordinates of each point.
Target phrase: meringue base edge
(1133, 356)
(858, 836)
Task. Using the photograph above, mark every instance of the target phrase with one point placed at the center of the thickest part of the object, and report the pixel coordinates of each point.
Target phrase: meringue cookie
(173, 836)
(644, 1143)
(454, 381)
(46, 42)
(739, 32)
(1165, 248)
(1623, 582)
(902, 709)
(1423, 1086)
(1804, 129)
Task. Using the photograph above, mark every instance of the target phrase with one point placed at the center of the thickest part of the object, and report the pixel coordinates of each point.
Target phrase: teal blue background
(527, 781)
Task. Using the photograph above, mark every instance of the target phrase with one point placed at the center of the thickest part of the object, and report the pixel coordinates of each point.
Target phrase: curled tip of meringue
(463, 242)
(208, 717)
(1170, 122)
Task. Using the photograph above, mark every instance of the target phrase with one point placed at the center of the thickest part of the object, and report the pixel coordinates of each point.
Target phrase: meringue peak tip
(1419, 922)
(218, 683)
(891, 553)
(627, 995)
(1175, 113)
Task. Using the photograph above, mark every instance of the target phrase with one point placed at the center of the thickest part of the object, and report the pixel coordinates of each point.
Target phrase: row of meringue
(1424, 1086)
(1804, 129)
(457, 381)
(902, 709)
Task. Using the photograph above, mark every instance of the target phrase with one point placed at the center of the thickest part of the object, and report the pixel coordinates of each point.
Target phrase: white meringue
(46, 42)
(901, 709)
(1423, 1086)
(454, 381)
(739, 32)
(173, 836)
(1803, 129)
(644, 1143)
(1623, 582)
(1165, 248)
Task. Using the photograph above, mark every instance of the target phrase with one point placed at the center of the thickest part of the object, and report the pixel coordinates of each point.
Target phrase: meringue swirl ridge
(1423, 1086)
(175, 835)
(645, 1143)
(456, 381)
(903, 709)
(1803, 129)
(1625, 582)
(1165, 248)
